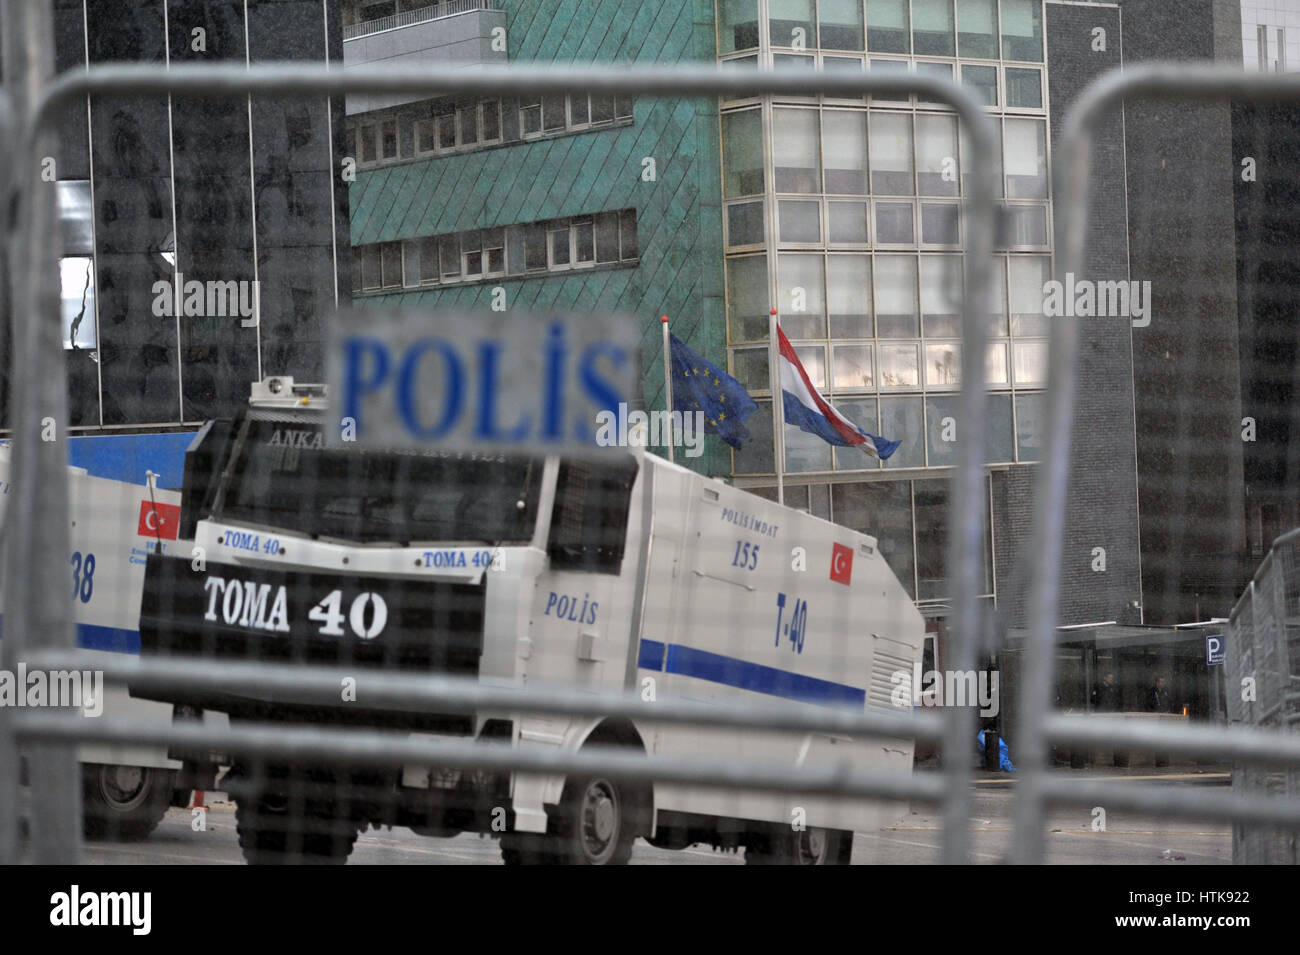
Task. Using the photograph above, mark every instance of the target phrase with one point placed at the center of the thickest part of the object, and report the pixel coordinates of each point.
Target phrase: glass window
(749, 367)
(757, 455)
(845, 135)
(369, 146)
(602, 108)
(939, 71)
(1029, 273)
(998, 298)
(535, 247)
(494, 251)
(899, 366)
(976, 29)
(847, 222)
(425, 139)
(801, 280)
(77, 301)
(813, 359)
(882, 509)
(889, 66)
(748, 303)
(737, 25)
(392, 264)
(942, 367)
(784, 60)
(584, 242)
(530, 115)
(967, 158)
(1024, 88)
(887, 28)
(449, 255)
(579, 109)
(428, 261)
(895, 285)
(1023, 225)
(933, 520)
(371, 274)
(799, 220)
(805, 452)
(901, 420)
(982, 82)
(491, 120)
(1030, 426)
(471, 250)
(854, 368)
(995, 371)
(795, 152)
(1022, 30)
(627, 233)
(941, 295)
(553, 112)
(842, 64)
(894, 223)
(863, 413)
(745, 223)
(932, 33)
(467, 116)
(607, 237)
(848, 296)
(742, 153)
(411, 262)
(558, 241)
(623, 108)
(1030, 362)
(1025, 158)
(936, 155)
(446, 130)
(389, 130)
(891, 154)
(840, 24)
(790, 23)
(940, 223)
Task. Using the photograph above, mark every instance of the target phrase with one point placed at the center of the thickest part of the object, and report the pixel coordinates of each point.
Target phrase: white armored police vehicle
(117, 518)
(621, 572)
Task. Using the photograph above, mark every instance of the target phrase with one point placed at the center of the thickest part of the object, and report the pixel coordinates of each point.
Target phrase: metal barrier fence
(1262, 667)
(38, 621)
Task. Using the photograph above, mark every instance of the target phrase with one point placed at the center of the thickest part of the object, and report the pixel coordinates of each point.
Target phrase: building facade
(205, 240)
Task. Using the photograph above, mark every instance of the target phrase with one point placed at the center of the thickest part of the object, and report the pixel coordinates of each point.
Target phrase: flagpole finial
(773, 312)
(664, 319)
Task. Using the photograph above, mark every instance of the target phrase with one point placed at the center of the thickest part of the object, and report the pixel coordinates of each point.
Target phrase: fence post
(38, 609)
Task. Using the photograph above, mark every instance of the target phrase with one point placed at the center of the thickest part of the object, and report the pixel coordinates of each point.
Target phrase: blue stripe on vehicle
(94, 637)
(91, 636)
(729, 671)
(651, 655)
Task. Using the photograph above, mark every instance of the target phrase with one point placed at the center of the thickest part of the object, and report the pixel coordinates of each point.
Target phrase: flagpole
(668, 387)
(778, 403)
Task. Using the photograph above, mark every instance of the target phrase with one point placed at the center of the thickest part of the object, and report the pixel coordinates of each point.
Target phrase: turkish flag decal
(160, 520)
(841, 563)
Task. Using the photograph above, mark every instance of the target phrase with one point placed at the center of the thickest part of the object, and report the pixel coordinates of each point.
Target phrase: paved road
(1128, 839)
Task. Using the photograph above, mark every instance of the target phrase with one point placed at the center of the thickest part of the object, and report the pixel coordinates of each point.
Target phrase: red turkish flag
(841, 563)
(159, 520)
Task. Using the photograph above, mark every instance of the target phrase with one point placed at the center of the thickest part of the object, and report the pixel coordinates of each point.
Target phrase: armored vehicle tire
(124, 803)
(271, 834)
(595, 824)
(807, 847)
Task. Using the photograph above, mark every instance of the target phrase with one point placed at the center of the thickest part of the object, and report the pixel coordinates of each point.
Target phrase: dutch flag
(809, 411)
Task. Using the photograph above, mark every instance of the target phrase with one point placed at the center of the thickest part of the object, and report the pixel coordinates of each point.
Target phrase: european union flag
(700, 385)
